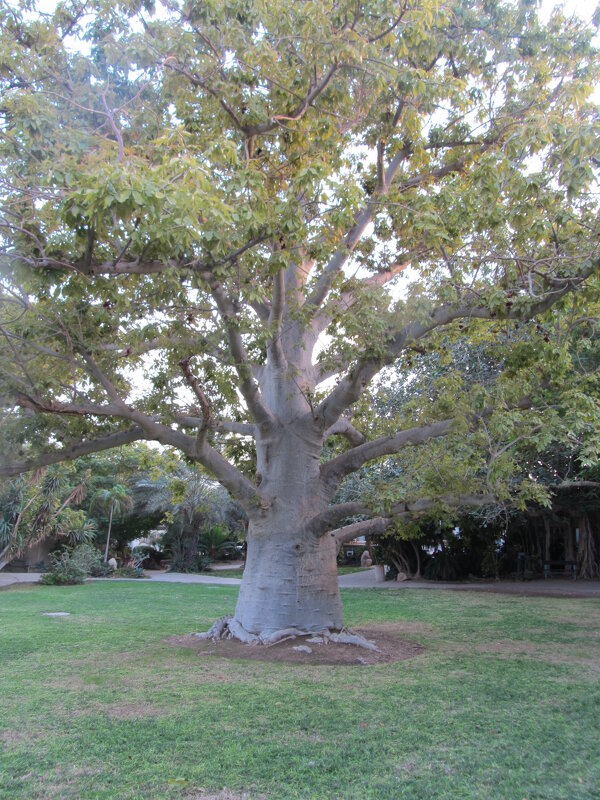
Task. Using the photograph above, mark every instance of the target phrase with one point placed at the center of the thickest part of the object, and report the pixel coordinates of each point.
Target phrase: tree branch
(402, 512)
(248, 386)
(198, 391)
(233, 480)
(368, 527)
(152, 428)
(328, 519)
(333, 471)
(343, 427)
(566, 485)
(315, 89)
(348, 298)
(72, 451)
(276, 319)
(354, 235)
(350, 388)
(225, 425)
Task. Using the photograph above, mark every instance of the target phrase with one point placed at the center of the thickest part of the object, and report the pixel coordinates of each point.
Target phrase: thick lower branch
(233, 480)
(368, 527)
(333, 471)
(225, 425)
(407, 512)
(333, 515)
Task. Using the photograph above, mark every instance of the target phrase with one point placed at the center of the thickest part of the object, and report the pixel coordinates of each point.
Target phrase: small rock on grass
(302, 648)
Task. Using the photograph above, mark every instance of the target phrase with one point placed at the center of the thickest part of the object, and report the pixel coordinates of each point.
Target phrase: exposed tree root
(346, 637)
(230, 628)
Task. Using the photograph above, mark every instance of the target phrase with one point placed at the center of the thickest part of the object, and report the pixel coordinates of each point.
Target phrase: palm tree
(216, 541)
(114, 500)
(42, 508)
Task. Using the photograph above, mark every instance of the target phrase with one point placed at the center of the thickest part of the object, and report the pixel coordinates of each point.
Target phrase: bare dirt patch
(73, 683)
(61, 782)
(12, 738)
(388, 639)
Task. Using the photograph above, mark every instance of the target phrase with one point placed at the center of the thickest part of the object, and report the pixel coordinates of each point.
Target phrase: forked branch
(350, 388)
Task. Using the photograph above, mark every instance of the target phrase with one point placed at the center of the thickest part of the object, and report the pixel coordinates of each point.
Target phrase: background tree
(533, 472)
(199, 514)
(203, 195)
(43, 507)
(113, 501)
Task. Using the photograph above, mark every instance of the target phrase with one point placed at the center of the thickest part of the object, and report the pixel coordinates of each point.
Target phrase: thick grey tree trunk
(290, 578)
(290, 581)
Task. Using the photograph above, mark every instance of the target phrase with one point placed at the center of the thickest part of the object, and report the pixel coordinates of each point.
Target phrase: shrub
(441, 566)
(90, 560)
(150, 557)
(87, 557)
(129, 572)
(63, 571)
(200, 563)
(101, 570)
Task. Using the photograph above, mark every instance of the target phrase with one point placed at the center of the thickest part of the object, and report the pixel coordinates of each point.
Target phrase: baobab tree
(204, 209)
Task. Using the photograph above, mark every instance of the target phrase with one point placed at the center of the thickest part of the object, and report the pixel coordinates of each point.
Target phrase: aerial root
(230, 628)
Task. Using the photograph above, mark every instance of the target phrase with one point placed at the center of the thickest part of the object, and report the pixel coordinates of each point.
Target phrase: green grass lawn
(503, 703)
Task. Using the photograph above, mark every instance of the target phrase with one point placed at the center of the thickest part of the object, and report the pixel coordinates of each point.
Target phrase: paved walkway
(366, 580)
(188, 577)
(9, 578)
(542, 588)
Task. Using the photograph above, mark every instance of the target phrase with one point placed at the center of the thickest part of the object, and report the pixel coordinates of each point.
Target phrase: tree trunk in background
(548, 532)
(569, 548)
(587, 552)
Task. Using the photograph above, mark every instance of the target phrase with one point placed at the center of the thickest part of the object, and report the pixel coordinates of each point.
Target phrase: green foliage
(115, 499)
(42, 507)
(163, 170)
(216, 542)
(441, 566)
(64, 570)
(89, 558)
(127, 571)
(138, 142)
(186, 558)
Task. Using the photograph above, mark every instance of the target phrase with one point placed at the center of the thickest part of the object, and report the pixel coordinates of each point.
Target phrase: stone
(112, 563)
(366, 560)
(401, 576)
(302, 648)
